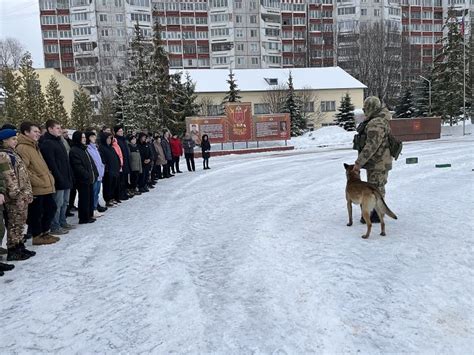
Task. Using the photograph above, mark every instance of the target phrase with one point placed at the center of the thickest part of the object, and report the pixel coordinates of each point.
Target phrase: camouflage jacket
(14, 173)
(375, 155)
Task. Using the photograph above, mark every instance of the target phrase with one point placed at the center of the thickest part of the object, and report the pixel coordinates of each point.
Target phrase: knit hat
(117, 128)
(7, 133)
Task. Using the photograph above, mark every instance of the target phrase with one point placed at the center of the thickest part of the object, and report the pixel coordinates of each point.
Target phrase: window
(253, 18)
(253, 5)
(104, 2)
(363, 12)
(81, 2)
(272, 32)
(240, 60)
(238, 4)
(309, 106)
(65, 34)
(119, 18)
(106, 32)
(239, 33)
(221, 18)
(220, 60)
(200, 6)
(174, 48)
(107, 61)
(106, 47)
(203, 49)
(187, 20)
(118, 3)
(48, 20)
(261, 109)
(66, 49)
(82, 16)
(346, 11)
(141, 17)
(202, 34)
(328, 106)
(376, 12)
(121, 32)
(219, 32)
(214, 110)
(203, 62)
(253, 47)
(81, 31)
(218, 3)
(142, 3)
(187, 7)
(299, 21)
(253, 33)
(189, 49)
(201, 20)
(50, 34)
(238, 19)
(172, 20)
(254, 60)
(51, 48)
(240, 47)
(188, 35)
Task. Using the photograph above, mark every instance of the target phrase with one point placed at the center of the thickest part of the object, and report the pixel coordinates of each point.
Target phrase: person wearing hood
(43, 208)
(112, 168)
(165, 144)
(18, 195)
(206, 151)
(93, 151)
(146, 157)
(176, 151)
(85, 174)
(188, 145)
(125, 172)
(135, 164)
(374, 154)
(57, 159)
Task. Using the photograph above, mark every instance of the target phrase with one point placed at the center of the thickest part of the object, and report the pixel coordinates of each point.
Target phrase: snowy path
(254, 256)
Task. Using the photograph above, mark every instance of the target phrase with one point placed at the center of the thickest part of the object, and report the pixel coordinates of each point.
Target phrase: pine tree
(32, 102)
(10, 112)
(119, 103)
(106, 114)
(422, 98)
(447, 73)
(183, 103)
(233, 93)
(293, 107)
(55, 102)
(160, 82)
(81, 113)
(138, 111)
(345, 116)
(405, 107)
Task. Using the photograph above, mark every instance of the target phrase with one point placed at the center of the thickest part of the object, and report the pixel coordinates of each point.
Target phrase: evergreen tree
(55, 102)
(422, 98)
(106, 114)
(184, 102)
(119, 103)
(32, 102)
(162, 117)
(345, 116)
(448, 73)
(10, 83)
(81, 113)
(293, 107)
(405, 107)
(233, 93)
(138, 111)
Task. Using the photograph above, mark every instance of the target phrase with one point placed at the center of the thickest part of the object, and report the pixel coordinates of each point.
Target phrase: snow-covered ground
(254, 256)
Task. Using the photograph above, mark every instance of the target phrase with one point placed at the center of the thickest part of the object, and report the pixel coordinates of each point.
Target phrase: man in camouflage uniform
(18, 194)
(374, 155)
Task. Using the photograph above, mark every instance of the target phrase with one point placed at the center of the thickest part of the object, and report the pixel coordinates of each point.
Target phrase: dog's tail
(383, 206)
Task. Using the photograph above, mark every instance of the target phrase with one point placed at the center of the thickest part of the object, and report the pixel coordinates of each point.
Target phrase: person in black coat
(146, 156)
(85, 174)
(56, 156)
(206, 151)
(124, 174)
(112, 168)
(165, 144)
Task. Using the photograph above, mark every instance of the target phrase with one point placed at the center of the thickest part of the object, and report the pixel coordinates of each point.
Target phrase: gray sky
(20, 19)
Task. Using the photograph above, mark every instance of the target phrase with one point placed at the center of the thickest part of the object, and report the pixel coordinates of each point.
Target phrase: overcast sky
(20, 19)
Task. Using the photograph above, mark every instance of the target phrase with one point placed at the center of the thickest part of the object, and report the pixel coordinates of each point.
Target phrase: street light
(429, 93)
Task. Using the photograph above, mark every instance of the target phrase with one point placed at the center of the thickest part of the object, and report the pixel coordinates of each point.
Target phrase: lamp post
(429, 94)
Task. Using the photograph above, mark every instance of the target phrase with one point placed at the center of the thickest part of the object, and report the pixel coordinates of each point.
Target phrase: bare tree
(204, 104)
(374, 58)
(275, 97)
(310, 106)
(11, 52)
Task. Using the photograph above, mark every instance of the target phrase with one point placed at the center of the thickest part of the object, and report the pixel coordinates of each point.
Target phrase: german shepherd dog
(368, 197)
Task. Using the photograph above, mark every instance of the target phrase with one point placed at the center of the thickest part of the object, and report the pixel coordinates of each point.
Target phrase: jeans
(61, 197)
(96, 190)
(190, 161)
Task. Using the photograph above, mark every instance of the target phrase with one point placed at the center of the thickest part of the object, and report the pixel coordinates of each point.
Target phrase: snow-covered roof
(214, 80)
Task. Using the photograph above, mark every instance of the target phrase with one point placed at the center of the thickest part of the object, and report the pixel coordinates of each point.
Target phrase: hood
(76, 138)
(372, 106)
(22, 139)
(103, 138)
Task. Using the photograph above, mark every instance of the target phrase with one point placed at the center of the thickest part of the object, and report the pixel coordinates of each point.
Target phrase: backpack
(394, 144)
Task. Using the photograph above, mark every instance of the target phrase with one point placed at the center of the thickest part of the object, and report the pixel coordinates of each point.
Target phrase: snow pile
(332, 136)
(456, 130)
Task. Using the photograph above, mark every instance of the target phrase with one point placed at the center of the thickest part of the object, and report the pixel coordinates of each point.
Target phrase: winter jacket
(188, 145)
(42, 181)
(109, 156)
(135, 158)
(160, 154)
(122, 142)
(206, 148)
(95, 155)
(15, 175)
(56, 157)
(85, 171)
(176, 147)
(145, 153)
(166, 148)
(118, 151)
(375, 155)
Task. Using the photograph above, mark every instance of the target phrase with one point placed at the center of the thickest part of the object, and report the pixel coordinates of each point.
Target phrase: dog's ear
(346, 166)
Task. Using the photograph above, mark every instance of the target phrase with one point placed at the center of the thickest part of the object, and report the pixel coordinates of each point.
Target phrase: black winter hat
(117, 128)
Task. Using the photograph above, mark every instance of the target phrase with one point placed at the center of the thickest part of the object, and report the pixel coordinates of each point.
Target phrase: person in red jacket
(176, 151)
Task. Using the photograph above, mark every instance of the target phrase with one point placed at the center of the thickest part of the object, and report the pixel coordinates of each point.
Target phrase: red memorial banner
(239, 120)
(214, 127)
(272, 127)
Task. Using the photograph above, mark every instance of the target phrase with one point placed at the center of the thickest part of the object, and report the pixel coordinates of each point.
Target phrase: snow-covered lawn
(254, 256)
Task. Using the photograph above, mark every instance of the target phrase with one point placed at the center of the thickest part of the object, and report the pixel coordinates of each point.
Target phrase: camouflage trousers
(378, 178)
(2, 225)
(17, 212)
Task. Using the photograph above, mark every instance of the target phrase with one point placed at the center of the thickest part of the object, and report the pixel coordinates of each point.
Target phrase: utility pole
(429, 94)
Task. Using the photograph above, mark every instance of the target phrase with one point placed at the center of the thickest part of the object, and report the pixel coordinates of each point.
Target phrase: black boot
(26, 251)
(6, 267)
(16, 253)
(101, 209)
(2, 273)
(374, 217)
